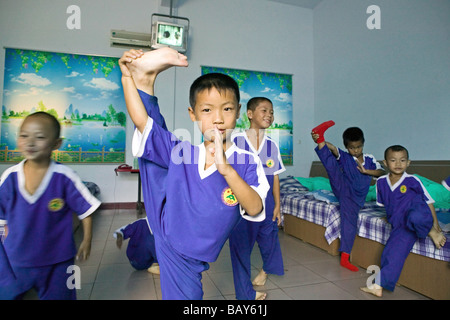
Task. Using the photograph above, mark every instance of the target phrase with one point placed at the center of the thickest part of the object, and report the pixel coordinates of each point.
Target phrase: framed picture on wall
(83, 92)
(275, 86)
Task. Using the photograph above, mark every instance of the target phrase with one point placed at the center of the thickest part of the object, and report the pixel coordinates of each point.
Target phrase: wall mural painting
(83, 92)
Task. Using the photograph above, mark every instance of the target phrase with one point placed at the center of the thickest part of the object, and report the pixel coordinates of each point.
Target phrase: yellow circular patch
(403, 189)
(228, 197)
(55, 204)
(270, 163)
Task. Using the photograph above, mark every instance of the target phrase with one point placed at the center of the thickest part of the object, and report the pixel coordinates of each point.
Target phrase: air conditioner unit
(124, 38)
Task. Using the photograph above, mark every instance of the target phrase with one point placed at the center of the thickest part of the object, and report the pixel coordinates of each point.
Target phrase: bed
(313, 216)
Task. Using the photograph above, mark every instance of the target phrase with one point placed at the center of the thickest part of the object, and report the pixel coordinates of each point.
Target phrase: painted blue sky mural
(84, 92)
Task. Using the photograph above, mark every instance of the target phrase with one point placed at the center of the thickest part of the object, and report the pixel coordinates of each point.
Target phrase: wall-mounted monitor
(168, 34)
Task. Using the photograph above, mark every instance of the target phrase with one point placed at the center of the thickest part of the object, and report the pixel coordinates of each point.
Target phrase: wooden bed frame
(427, 276)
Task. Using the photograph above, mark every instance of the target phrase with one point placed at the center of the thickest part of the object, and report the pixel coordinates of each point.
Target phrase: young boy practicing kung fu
(243, 237)
(409, 210)
(37, 200)
(141, 245)
(208, 187)
(350, 174)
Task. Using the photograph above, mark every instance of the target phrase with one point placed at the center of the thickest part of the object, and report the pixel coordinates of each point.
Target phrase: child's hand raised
(219, 154)
(128, 57)
(314, 136)
(361, 167)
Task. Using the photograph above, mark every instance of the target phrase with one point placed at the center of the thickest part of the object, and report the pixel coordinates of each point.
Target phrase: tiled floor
(310, 273)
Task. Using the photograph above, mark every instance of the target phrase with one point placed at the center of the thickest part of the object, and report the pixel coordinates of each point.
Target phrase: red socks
(346, 263)
(321, 128)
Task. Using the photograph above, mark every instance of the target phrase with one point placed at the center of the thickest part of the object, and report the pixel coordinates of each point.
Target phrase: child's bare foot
(154, 268)
(151, 63)
(260, 279)
(437, 237)
(374, 289)
(260, 295)
(144, 67)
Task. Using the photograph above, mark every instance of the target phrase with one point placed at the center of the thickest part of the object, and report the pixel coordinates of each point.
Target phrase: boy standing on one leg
(190, 233)
(350, 174)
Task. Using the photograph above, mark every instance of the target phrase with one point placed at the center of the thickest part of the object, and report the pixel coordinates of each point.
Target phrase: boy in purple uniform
(37, 200)
(350, 174)
(243, 237)
(410, 211)
(208, 187)
(141, 245)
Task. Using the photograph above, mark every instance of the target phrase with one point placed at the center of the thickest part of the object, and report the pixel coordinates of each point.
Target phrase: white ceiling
(309, 4)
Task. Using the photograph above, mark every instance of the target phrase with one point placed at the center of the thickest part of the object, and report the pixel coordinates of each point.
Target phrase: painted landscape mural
(83, 92)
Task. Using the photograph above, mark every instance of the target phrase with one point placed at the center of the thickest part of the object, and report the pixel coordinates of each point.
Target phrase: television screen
(171, 35)
(166, 34)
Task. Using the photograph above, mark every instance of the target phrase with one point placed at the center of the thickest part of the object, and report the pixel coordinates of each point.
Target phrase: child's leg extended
(153, 177)
(333, 169)
(151, 105)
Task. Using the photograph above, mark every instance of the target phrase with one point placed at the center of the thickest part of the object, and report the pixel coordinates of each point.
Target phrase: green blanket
(440, 195)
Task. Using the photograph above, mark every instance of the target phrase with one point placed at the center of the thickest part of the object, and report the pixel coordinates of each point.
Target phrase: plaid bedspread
(371, 225)
(318, 212)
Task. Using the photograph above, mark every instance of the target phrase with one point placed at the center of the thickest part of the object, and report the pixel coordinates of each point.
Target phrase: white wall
(394, 83)
(245, 34)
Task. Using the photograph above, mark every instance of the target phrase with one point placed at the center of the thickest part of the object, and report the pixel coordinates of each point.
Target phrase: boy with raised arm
(208, 187)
